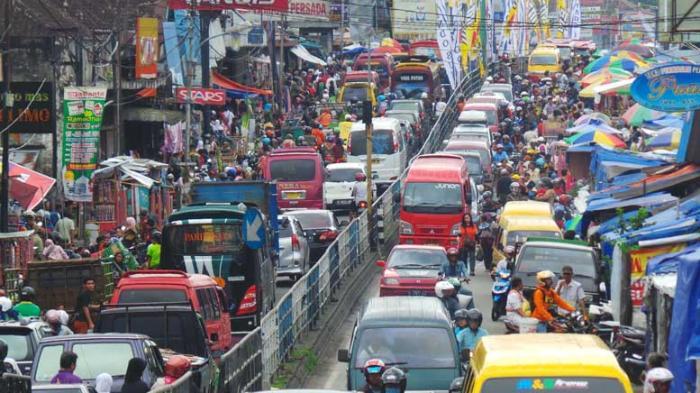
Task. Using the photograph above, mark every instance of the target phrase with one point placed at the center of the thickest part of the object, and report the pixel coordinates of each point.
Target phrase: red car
(411, 270)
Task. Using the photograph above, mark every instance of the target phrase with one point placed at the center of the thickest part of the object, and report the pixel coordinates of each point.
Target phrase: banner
(146, 48)
(638, 267)
(37, 118)
(173, 55)
(673, 87)
(448, 35)
(201, 96)
(219, 5)
(83, 108)
(413, 19)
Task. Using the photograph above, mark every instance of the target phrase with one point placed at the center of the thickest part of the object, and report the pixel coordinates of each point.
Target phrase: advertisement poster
(146, 48)
(638, 261)
(83, 108)
(218, 5)
(414, 19)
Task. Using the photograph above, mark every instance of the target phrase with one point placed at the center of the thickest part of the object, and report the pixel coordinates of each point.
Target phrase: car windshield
(133, 296)
(565, 53)
(537, 258)
(483, 154)
(406, 346)
(382, 142)
(204, 239)
(351, 93)
(92, 360)
(490, 116)
(416, 258)
(552, 384)
(470, 136)
(342, 174)
(405, 106)
(292, 170)
(314, 221)
(521, 236)
(473, 164)
(402, 116)
(543, 60)
(438, 198)
(18, 344)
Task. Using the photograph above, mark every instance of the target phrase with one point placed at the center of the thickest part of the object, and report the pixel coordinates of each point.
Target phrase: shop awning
(662, 181)
(235, 89)
(136, 169)
(305, 55)
(28, 187)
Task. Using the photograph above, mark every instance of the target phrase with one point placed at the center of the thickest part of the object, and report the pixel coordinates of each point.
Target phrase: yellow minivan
(542, 362)
(543, 59)
(353, 92)
(525, 209)
(517, 229)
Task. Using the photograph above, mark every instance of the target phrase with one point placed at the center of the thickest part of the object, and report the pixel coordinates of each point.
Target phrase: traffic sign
(253, 229)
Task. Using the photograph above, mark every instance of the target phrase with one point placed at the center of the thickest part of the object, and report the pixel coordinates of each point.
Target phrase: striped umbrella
(590, 127)
(605, 75)
(670, 139)
(637, 114)
(599, 137)
(592, 118)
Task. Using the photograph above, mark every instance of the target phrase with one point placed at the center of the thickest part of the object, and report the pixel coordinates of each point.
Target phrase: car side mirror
(343, 356)
(456, 385)
(381, 263)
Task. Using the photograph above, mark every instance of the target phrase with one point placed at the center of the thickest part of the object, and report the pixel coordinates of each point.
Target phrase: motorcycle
(629, 349)
(499, 293)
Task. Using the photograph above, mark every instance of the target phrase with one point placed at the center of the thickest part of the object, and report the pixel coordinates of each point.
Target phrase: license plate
(344, 202)
(293, 195)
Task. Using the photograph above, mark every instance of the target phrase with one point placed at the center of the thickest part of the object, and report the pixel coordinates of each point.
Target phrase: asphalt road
(331, 374)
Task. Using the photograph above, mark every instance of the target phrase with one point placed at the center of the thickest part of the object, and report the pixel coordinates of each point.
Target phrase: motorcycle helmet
(27, 293)
(5, 303)
(175, 367)
(52, 317)
(231, 172)
(539, 162)
(655, 375)
(462, 313)
(456, 284)
(509, 249)
(381, 98)
(515, 186)
(330, 138)
(424, 95)
(564, 199)
(266, 141)
(487, 195)
(442, 286)
(394, 380)
(373, 366)
(515, 177)
(475, 315)
(544, 275)
(359, 176)
(452, 251)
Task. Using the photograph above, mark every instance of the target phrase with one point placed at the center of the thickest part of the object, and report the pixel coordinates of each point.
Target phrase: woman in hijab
(132, 379)
(103, 383)
(53, 251)
(130, 236)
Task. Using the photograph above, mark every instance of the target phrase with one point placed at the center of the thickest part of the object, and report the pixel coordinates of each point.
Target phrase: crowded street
(321, 196)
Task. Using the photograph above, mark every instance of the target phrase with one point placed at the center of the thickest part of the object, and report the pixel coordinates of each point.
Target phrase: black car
(320, 227)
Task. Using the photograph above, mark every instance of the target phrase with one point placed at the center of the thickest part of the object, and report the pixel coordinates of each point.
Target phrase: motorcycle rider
(515, 193)
(506, 264)
(468, 338)
(445, 291)
(394, 380)
(26, 307)
(359, 189)
(658, 380)
(544, 299)
(488, 205)
(373, 370)
(486, 236)
(461, 321)
(454, 267)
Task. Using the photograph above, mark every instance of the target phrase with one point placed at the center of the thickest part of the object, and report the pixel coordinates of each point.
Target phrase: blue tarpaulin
(606, 164)
(609, 203)
(684, 326)
(668, 263)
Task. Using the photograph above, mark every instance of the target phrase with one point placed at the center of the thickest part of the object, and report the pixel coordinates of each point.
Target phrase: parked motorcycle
(629, 349)
(499, 293)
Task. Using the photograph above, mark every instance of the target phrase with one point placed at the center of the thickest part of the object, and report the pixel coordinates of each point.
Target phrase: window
(92, 360)
(49, 362)
(343, 174)
(18, 344)
(543, 60)
(314, 221)
(407, 346)
(214, 300)
(293, 170)
(222, 298)
(203, 239)
(425, 258)
(351, 94)
(154, 359)
(445, 198)
(205, 305)
(382, 142)
(131, 296)
(521, 236)
(535, 259)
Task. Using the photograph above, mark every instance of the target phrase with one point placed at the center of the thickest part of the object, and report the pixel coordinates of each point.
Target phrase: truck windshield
(521, 236)
(552, 384)
(382, 142)
(439, 198)
(18, 344)
(543, 60)
(293, 170)
(406, 346)
(351, 93)
(536, 258)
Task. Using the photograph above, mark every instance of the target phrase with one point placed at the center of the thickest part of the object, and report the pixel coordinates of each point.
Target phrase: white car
(389, 153)
(339, 183)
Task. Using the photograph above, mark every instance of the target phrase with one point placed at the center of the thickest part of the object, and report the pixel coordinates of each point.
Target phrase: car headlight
(391, 281)
(405, 228)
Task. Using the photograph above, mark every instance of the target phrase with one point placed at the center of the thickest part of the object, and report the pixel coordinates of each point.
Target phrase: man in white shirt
(66, 229)
(570, 290)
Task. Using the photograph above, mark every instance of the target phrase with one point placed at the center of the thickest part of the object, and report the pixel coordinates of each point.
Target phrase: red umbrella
(28, 187)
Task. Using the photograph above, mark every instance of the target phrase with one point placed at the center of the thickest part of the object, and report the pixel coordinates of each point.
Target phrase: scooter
(629, 349)
(499, 293)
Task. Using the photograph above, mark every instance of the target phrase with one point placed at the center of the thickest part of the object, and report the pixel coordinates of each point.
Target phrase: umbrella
(591, 127)
(605, 75)
(627, 64)
(592, 118)
(641, 50)
(637, 114)
(386, 49)
(665, 121)
(627, 61)
(596, 136)
(28, 187)
(670, 139)
(613, 88)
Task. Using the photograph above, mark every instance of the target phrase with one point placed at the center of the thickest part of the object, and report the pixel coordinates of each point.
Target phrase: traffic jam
(531, 221)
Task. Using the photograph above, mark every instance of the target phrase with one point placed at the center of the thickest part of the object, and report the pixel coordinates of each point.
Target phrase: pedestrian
(65, 375)
(570, 290)
(54, 252)
(65, 227)
(132, 378)
(468, 234)
(84, 305)
(103, 383)
(153, 251)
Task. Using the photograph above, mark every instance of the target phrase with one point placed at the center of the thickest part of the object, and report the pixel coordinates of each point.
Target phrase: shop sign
(638, 267)
(146, 48)
(219, 5)
(315, 8)
(32, 110)
(83, 108)
(669, 88)
(200, 96)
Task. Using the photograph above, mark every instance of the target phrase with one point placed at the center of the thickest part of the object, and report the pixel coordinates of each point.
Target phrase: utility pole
(204, 20)
(117, 86)
(280, 79)
(367, 118)
(6, 70)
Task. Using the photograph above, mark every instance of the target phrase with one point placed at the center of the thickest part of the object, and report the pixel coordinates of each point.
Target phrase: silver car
(294, 249)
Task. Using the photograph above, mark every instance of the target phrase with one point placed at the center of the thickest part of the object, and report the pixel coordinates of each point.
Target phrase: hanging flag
(561, 13)
(575, 20)
(448, 41)
(510, 18)
(146, 48)
(544, 19)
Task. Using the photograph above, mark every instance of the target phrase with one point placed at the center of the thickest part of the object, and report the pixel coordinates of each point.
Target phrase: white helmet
(423, 95)
(509, 249)
(52, 317)
(543, 275)
(515, 184)
(489, 79)
(441, 286)
(5, 303)
(658, 374)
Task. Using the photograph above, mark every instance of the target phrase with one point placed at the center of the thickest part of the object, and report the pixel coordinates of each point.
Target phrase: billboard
(414, 19)
(218, 5)
(146, 48)
(32, 111)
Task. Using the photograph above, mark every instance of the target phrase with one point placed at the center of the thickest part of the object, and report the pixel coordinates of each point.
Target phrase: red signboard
(218, 5)
(201, 96)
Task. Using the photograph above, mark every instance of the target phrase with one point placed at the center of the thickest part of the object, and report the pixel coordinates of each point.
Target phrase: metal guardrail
(252, 363)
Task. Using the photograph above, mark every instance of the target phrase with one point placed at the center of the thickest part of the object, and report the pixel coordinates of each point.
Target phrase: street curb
(351, 292)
